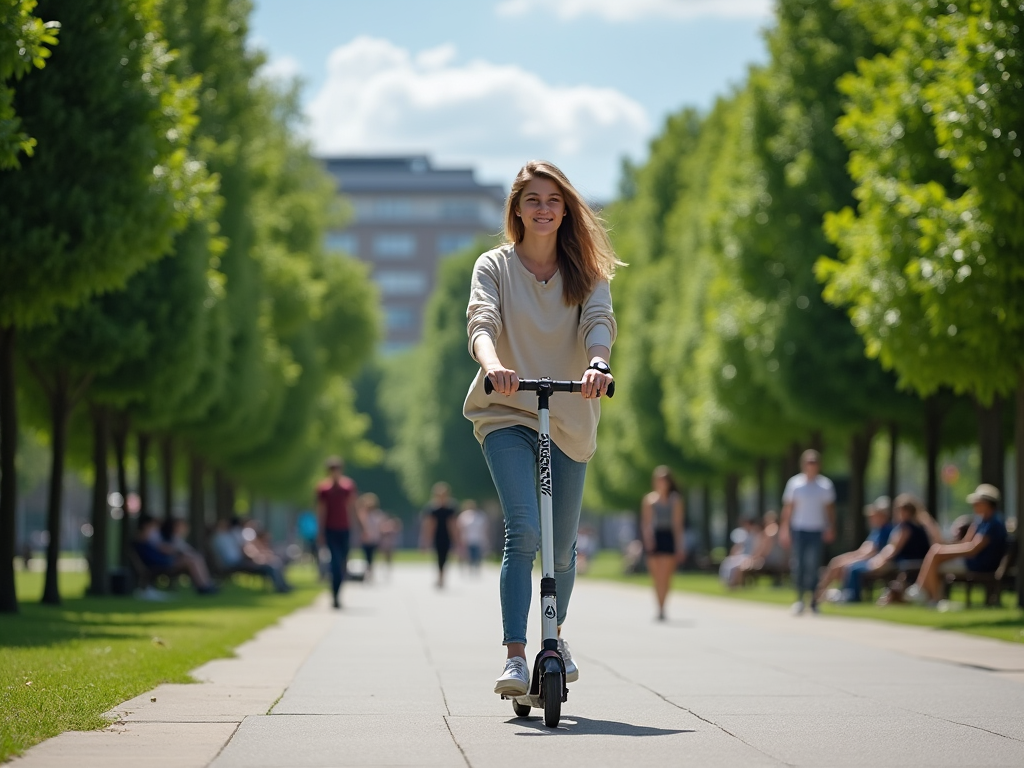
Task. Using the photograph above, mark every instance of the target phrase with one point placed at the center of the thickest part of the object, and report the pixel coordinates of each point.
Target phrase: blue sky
(493, 83)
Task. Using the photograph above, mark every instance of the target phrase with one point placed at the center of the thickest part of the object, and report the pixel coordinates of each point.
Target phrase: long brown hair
(585, 254)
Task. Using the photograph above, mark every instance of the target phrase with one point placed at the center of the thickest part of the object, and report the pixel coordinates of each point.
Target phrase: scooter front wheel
(552, 687)
(521, 710)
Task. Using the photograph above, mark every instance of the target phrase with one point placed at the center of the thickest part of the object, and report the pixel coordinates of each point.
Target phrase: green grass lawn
(61, 668)
(1005, 623)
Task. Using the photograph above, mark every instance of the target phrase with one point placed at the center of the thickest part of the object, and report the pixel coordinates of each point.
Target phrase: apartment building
(408, 215)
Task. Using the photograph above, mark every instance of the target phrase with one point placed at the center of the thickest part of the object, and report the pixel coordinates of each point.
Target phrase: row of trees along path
(831, 254)
(164, 275)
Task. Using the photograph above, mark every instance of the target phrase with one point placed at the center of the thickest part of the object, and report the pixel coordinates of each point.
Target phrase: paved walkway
(402, 677)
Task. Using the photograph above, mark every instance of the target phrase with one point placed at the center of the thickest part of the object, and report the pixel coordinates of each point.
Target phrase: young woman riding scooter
(540, 306)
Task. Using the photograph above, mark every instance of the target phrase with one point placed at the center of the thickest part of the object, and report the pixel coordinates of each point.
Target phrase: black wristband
(601, 367)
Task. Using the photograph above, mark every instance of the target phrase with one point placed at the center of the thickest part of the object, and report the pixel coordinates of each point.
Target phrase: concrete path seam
(722, 728)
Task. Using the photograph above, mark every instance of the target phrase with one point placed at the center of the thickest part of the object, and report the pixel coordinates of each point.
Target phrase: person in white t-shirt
(808, 523)
(472, 524)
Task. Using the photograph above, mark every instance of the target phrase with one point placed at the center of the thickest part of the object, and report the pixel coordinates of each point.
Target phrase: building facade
(407, 216)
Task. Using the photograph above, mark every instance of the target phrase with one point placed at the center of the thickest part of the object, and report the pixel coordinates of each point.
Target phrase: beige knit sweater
(535, 334)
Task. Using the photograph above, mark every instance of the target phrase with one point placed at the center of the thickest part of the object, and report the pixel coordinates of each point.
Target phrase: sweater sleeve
(597, 320)
(483, 315)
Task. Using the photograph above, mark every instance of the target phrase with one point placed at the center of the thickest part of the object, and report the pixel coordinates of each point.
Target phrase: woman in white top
(539, 306)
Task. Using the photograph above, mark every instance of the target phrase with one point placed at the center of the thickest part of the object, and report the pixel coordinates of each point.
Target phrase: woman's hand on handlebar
(505, 380)
(595, 383)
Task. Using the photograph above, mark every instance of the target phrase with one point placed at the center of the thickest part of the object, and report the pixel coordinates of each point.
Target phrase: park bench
(993, 583)
(147, 576)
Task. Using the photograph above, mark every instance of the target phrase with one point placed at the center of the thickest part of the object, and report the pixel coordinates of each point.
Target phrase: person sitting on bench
(163, 558)
(913, 535)
(980, 551)
(840, 566)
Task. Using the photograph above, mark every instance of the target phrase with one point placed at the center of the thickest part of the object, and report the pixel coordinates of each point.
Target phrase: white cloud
(281, 68)
(633, 10)
(381, 98)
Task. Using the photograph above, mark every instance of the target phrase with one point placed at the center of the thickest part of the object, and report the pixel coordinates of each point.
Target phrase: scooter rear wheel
(552, 687)
(521, 710)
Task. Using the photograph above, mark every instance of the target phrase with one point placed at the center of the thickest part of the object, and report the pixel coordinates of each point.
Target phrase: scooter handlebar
(532, 385)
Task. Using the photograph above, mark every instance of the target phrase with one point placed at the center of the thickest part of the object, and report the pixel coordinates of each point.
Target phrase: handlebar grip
(489, 387)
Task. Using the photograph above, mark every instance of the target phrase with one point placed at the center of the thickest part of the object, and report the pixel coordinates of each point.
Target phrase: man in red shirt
(336, 506)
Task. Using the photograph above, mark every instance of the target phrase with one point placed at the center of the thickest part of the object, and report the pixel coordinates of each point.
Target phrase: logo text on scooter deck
(545, 465)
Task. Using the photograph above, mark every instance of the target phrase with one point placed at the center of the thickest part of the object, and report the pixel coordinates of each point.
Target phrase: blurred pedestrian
(473, 533)
(808, 523)
(662, 519)
(439, 527)
(371, 520)
(336, 507)
(390, 535)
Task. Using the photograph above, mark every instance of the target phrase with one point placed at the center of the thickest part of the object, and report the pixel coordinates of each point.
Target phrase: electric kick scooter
(547, 687)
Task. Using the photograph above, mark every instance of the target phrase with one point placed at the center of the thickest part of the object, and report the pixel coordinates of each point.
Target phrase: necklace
(542, 277)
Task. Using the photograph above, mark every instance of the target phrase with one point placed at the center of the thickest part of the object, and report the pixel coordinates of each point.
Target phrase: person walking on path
(662, 520)
(473, 533)
(808, 523)
(371, 521)
(439, 527)
(980, 550)
(539, 305)
(336, 507)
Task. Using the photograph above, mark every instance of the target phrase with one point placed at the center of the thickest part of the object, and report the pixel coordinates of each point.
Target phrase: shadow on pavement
(584, 726)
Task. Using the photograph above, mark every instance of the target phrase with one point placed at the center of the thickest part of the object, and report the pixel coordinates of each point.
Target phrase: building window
(460, 210)
(393, 283)
(451, 242)
(342, 241)
(393, 208)
(400, 318)
(394, 246)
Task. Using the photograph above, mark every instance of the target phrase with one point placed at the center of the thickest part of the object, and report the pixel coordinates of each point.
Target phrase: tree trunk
(8, 472)
(99, 577)
(762, 490)
(860, 454)
(732, 504)
(933, 417)
(990, 441)
(1018, 461)
(784, 476)
(120, 435)
(59, 410)
(220, 507)
(196, 505)
(894, 442)
(167, 466)
(142, 440)
(817, 441)
(705, 518)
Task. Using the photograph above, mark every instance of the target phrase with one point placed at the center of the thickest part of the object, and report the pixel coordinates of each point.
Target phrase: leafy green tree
(929, 260)
(25, 42)
(424, 394)
(111, 182)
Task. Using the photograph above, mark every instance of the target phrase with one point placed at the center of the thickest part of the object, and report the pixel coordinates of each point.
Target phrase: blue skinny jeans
(511, 455)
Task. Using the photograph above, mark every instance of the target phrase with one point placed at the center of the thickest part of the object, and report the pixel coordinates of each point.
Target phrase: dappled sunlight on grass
(62, 667)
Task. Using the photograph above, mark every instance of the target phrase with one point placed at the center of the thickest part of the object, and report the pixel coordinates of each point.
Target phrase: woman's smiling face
(541, 206)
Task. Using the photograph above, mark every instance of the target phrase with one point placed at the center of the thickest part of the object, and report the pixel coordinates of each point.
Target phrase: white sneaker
(572, 672)
(797, 608)
(515, 680)
(915, 594)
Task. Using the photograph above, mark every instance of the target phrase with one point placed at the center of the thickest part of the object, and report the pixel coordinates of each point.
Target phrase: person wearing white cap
(979, 551)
